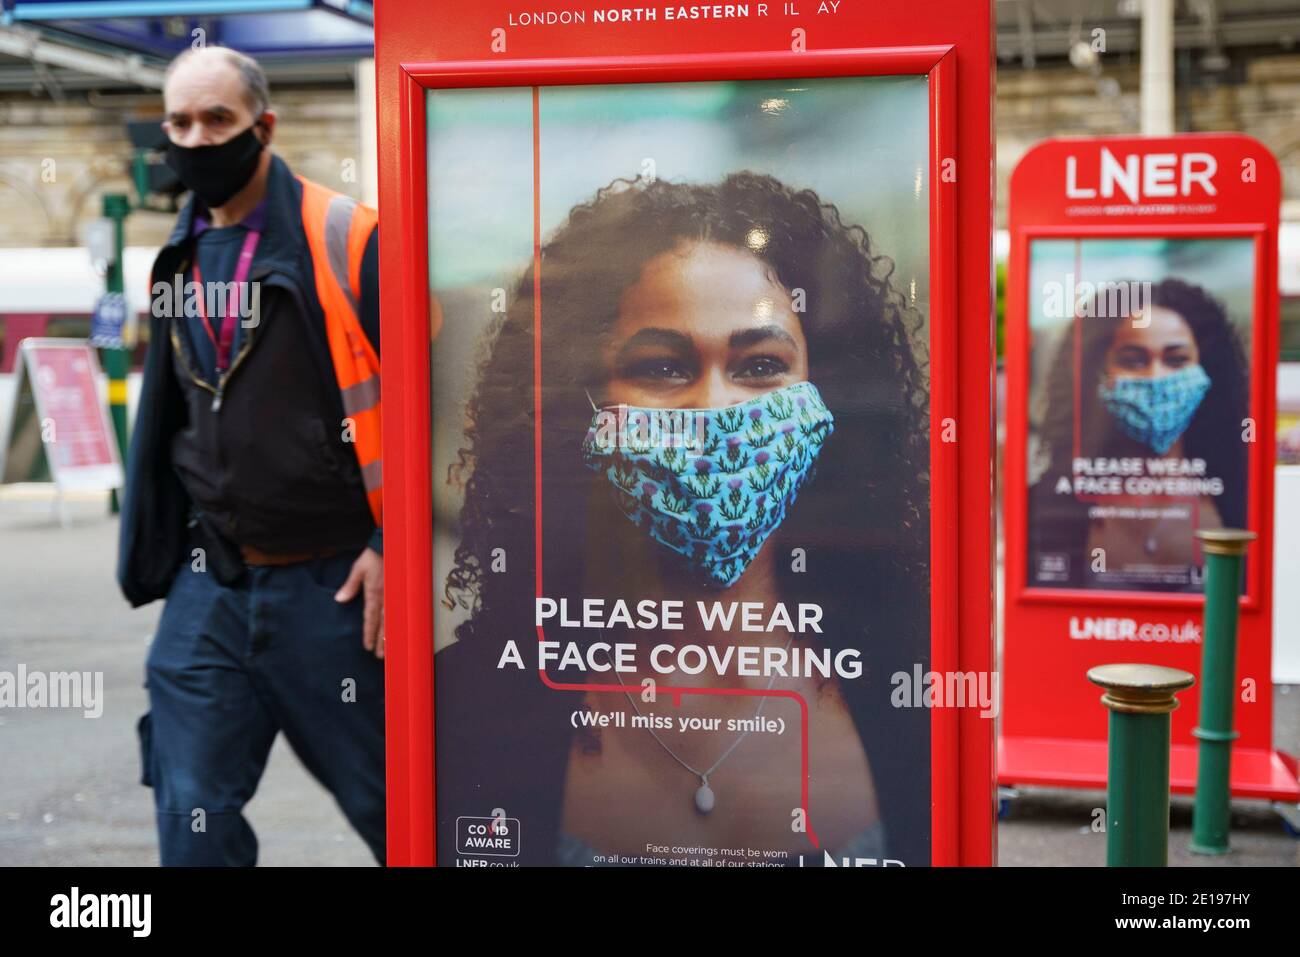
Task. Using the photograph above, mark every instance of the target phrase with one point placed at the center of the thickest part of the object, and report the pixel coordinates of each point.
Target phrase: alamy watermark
(53, 689)
(1097, 300)
(180, 299)
(639, 430)
(946, 689)
(133, 912)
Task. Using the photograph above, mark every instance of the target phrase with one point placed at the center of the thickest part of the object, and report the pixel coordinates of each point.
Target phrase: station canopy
(271, 29)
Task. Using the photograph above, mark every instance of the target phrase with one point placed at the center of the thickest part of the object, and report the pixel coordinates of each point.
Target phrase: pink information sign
(74, 424)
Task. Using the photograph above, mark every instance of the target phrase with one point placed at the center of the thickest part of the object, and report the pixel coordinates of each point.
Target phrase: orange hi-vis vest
(338, 228)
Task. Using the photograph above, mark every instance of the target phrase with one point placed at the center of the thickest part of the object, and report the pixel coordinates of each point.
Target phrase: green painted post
(117, 361)
(1140, 699)
(1224, 550)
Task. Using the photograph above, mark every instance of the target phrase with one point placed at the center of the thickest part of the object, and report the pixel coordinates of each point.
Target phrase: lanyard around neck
(223, 344)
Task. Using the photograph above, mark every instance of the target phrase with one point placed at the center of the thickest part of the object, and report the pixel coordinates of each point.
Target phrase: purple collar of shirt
(255, 220)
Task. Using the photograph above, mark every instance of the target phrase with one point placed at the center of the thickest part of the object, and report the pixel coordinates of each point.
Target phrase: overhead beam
(1122, 35)
(1157, 97)
(31, 45)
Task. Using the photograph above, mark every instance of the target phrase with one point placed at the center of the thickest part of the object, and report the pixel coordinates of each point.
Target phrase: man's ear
(266, 127)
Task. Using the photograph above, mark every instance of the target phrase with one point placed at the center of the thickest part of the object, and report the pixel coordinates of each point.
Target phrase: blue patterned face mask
(711, 484)
(1155, 411)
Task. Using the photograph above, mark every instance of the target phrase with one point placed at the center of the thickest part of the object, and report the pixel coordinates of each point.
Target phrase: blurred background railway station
(80, 107)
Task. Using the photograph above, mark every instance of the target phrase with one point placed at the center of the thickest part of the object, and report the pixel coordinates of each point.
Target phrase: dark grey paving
(1053, 827)
(69, 791)
(69, 788)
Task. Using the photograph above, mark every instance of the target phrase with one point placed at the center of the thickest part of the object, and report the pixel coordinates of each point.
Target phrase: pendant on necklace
(704, 797)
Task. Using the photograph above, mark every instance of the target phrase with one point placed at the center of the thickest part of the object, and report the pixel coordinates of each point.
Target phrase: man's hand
(368, 574)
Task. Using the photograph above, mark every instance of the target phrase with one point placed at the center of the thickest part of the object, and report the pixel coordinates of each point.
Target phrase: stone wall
(58, 158)
(1261, 99)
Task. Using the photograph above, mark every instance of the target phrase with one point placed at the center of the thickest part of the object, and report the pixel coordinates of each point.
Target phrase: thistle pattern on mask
(1155, 411)
(711, 484)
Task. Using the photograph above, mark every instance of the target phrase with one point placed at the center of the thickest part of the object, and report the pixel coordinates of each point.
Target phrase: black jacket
(269, 469)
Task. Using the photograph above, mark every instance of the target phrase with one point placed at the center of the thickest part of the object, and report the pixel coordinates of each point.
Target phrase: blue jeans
(232, 666)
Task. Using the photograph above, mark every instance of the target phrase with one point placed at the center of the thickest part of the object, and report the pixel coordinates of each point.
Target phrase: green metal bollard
(1140, 699)
(1224, 549)
(117, 362)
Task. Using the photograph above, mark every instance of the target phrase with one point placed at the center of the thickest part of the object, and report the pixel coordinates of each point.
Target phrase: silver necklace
(704, 798)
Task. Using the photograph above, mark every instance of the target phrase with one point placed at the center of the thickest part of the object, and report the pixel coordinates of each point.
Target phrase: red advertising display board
(59, 407)
(682, 263)
(1142, 346)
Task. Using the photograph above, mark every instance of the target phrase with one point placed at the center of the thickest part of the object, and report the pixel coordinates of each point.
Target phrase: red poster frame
(962, 795)
(1053, 729)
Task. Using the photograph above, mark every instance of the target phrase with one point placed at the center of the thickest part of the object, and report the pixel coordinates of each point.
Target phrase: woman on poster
(1144, 444)
(798, 377)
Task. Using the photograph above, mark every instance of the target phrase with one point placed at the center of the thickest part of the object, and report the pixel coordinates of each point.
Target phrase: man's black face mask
(216, 173)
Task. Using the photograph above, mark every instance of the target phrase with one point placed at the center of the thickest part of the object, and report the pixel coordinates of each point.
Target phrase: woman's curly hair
(864, 522)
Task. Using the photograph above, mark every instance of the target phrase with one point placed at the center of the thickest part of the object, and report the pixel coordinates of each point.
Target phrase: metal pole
(368, 130)
(1140, 699)
(1157, 98)
(1224, 550)
(117, 361)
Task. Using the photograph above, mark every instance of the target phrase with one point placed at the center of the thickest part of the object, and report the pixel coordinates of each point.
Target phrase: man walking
(253, 502)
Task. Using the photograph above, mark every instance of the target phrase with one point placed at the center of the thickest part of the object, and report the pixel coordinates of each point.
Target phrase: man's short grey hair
(257, 92)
